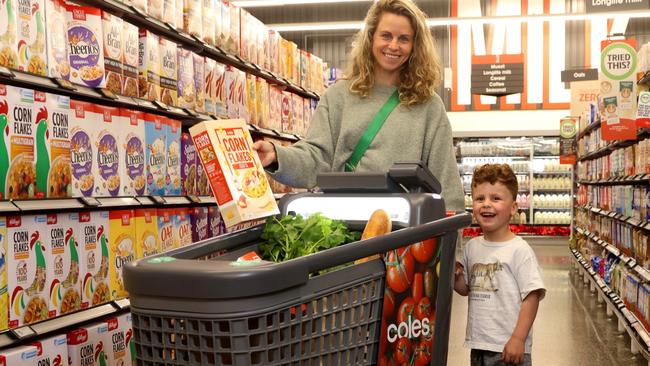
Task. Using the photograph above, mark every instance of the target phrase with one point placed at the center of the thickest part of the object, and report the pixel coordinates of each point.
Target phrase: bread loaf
(378, 224)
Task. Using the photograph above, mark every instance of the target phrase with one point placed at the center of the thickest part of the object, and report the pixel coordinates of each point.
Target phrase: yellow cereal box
(234, 170)
(63, 267)
(251, 93)
(93, 236)
(146, 232)
(4, 314)
(262, 98)
(121, 248)
(182, 227)
(166, 229)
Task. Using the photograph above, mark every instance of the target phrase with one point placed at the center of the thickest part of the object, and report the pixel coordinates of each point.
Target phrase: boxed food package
(304, 67)
(263, 46)
(286, 55)
(126, 323)
(224, 37)
(237, 179)
(275, 108)
(121, 249)
(188, 165)
(251, 96)
(231, 81)
(31, 47)
(168, 72)
(207, 15)
(130, 61)
(169, 13)
(57, 39)
(217, 22)
(27, 259)
(131, 147)
(297, 112)
(20, 355)
(199, 220)
(186, 89)
(113, 28)
(202, 184)
(262, 94)
(306, 115)
(149, 65)
(17, 168)
(166, 229)
(182, 227)
(63, 268)
(199, 82)
(193, 17)
(173, 177)
(116, 346)
(49, 351)
(146, 232)
(88, 345)
(8, 54)
(210, 94)
(246, 27)
(274, 50)
(155, 8)
(85, 45)
(53, 166)
(94, 259)
(140, 5)
(234, 29)
(180, 14)
(241, 96)
(82, 148)
(216, 226)
(4, 300)
(107, 177)
(295, 63)
(286, 113)
(155, 135)
(220, 91)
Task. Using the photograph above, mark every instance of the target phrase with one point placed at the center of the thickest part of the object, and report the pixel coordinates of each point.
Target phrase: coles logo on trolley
(412, 328)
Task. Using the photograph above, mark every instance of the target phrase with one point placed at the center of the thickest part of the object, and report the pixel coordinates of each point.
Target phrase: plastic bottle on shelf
(522, 218)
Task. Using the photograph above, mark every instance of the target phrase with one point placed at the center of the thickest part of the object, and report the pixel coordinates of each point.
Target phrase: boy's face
(493, 206)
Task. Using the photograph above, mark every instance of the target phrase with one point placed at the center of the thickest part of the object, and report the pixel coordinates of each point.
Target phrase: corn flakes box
(31, 42)
(131, 146)
(63, 267)
(113, 29)
(28, 257)
(220, 91)
(199, 223)
(149, 65)
(224, 36)
(17, 153)
(57, 39)
(107, 175)
(188, 165)
(285, 112)
(199, 82)
(168, 72)
(237, 177)
(86, 345)
(186, 85)
(121, 248)
(50, 351)
(182, 227)
(126, 323)
(9, 30)
(130, 59)
(85, 45)
(116, 346)
(262, 100)
(93, 235)
(216, 226)
(210, 94)
(146, 232)
(166, 229)
(304, 67)
(82, 148)
(251, 96)
(173, 179)
(21, 355)
(53, 165)
(231, 81)
(155, 135)
(4, 301)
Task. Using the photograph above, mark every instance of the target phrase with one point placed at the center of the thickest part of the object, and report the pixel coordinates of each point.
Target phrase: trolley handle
(378, 245)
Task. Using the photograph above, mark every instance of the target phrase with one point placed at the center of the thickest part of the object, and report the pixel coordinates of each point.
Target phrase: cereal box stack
(86, 345)
(63, 265)
(182, 227)
(8, 56)
(166, 229)
(149, 66)
(239, 182)
(186, 89)
(199, 219)
(57, 39)
(146, 232)
(94, 259)
(188, 165)
(173, 177)
(168, 72)
(224, 34)
(82, 149)
(131, 147)
(155, 135)
(31, 46)
(85, 45)
(4, 301)
(121, 249)
(107, 176)
(113, 28)
(274, 50)
(297, 111)
(130, 61)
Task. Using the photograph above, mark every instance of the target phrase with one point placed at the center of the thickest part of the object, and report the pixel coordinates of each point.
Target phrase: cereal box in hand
(4, 297)
(182, 227)
(82, 148)
(199, 219)
(113, 28)
(131, 145)
(93, 229)
(146, 232)
(149, 66)
(166, 229)
(121, 249)
(236, 175)
(31, 47)
(173, 178)
(85, 45)
(188, 165)
(57, 39)
(8, 54)
(199, 82)
(27, 260)
(107, 147)
(130, 61)
(168, 72)
(155, 135)
(61, 239)
(186, 88)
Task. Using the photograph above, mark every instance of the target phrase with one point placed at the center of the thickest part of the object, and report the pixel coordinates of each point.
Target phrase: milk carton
(94, 259)
(146, 232)
(155, 135)
(188, 165)
(113, 29)
(85, 45)
(166, 229)
(4, 301)
(82, 148)
(121, 249)
(17, 155)
(173, 179)
(107, 176)
(131, 149)
(182, 227)
(28, 257)
(57, 39)
(31, 47)
(199, 220)
(63, 267)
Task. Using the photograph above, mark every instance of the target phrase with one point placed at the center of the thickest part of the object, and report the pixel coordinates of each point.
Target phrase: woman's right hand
(266, 151)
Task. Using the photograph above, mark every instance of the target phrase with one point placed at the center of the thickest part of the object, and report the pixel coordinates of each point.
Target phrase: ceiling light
(270, 3)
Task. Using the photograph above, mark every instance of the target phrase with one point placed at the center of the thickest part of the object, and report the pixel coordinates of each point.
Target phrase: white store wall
(506, 123)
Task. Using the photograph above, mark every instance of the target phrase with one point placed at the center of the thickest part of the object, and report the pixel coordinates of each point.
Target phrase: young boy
(504, 281)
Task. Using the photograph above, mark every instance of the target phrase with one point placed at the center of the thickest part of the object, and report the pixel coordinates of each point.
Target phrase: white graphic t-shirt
(500, 275)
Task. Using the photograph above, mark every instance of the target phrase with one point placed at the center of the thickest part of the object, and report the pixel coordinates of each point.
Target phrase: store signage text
(596, 6)
(497, 74)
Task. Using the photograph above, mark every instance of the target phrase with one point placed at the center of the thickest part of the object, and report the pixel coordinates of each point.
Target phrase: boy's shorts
(480, 357)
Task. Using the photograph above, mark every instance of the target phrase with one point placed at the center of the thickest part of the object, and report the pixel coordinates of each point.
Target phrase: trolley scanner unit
(188, 311)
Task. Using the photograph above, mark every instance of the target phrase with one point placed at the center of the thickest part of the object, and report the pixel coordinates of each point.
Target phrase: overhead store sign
(601, 6)
(569, 76)
(497, 75)
(618, 65)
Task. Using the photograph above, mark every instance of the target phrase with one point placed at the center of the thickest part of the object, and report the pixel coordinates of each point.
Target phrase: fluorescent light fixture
(271, 3)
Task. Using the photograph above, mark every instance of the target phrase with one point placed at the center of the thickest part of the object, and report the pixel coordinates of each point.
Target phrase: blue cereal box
(173, 178)
(155, 135)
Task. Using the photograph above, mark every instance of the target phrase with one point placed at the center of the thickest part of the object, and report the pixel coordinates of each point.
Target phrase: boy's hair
(419, 74)
(492, 173)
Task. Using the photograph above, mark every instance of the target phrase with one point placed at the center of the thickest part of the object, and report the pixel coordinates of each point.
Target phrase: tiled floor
(571, 327)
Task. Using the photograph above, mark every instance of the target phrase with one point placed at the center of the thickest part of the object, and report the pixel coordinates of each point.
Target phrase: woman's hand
(513, 352)
(266, 151)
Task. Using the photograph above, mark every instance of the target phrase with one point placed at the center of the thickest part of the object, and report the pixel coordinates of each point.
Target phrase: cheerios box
(155, 136)
(121, 249)
(107, 175)
(63, 266)
(85, 45)
(4, 315)
(166, 229)
(234, 170)
(173, 178)
(82, 148)
(17, 153)
(31, 47)
(146, 232)
(94, 259)
(27, 260)
(131, 150)
(57, 39)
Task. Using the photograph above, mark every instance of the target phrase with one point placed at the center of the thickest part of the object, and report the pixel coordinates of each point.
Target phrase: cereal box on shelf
(182, 227)
(263, 46)
(116, 347)
(251, 96)
(304, 67)
(131, 151)
(234, 29)
(188, 165)
(17, 168)
(169, 15)
(166, 229)
(53, 175)
(295, 58)
(149, 65)
(199, 220)
(8, 54)
(224, 36)
(241, 96)
(286, 55)
(274, 50)
(202, 184)
(168, 72)
(18, 355)
(186, 88)
(57, 39)
(86, 345)
(193, 17)
(297, 112)
(140, 5)
(246, 27)
(262, 94)
(199, 82)
(113, 28)
(306, 114)
(216, 226)
(146, 232)
(130, 61)
(208, 14)
(85, 45)
(220, 91)
(173, 177)
(275, 108)
(217, 22)
(210, 94)
(27, 260)
(82, 148)
(51, 351)
(93, 229)
(231, 81)
(285, 112)
(60, 236)
(155, 8)
(180, 14)
(121, 249)
(155, 135)
(236, 174)
(4, 300)
(126, 323)
(31, 46)
(107, 177)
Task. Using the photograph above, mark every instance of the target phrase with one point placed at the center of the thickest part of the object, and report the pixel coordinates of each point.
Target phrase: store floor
(571, 327)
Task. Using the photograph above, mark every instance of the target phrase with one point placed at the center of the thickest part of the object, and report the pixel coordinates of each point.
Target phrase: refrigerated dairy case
(200, 305)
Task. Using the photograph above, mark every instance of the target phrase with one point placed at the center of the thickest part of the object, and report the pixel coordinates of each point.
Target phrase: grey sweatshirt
(417, 133)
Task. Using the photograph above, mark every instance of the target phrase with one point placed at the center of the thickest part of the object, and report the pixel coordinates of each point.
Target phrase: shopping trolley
(194, 307)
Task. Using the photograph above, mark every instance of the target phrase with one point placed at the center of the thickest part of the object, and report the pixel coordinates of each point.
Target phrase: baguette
(378, 224)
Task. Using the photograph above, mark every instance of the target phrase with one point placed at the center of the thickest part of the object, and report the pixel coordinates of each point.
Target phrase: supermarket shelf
(617, 181)
(552, 173)
(589, 129)
(516, 173)
(619, 144)
(493, 156)
(641, 224)
(564, 190)
(545, 156)
(28, 333)
(645, 79)
(553, 208)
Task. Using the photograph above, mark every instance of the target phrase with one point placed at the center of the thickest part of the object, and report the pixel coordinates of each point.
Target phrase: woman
(394, 51)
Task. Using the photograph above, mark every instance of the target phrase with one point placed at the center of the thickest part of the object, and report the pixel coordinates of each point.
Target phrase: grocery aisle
(571, 327)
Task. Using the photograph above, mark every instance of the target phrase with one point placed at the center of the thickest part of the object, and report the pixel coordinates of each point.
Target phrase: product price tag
(4, 71)
(190, 112)
(65, 84)
(158, 200)
(161, 105)
(23, 332)
(107, 93)
(643, 110)
(122, 304)
(90, 201)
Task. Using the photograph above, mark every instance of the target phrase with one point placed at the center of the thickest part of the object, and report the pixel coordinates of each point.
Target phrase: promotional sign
(618, 64)
(497, 75)
(568, 145)
(600, 6)
(569, 76)
(584, 101)
(643, 110)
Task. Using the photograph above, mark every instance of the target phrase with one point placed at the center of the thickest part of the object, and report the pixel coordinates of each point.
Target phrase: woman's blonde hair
(419, 74)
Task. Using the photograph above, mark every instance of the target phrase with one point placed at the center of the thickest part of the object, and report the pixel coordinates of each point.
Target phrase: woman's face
(392, 44)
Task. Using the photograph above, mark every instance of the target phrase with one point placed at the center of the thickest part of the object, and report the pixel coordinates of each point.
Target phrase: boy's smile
(493, 206)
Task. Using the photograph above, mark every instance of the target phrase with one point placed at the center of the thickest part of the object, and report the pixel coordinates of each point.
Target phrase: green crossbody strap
(371, 132)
